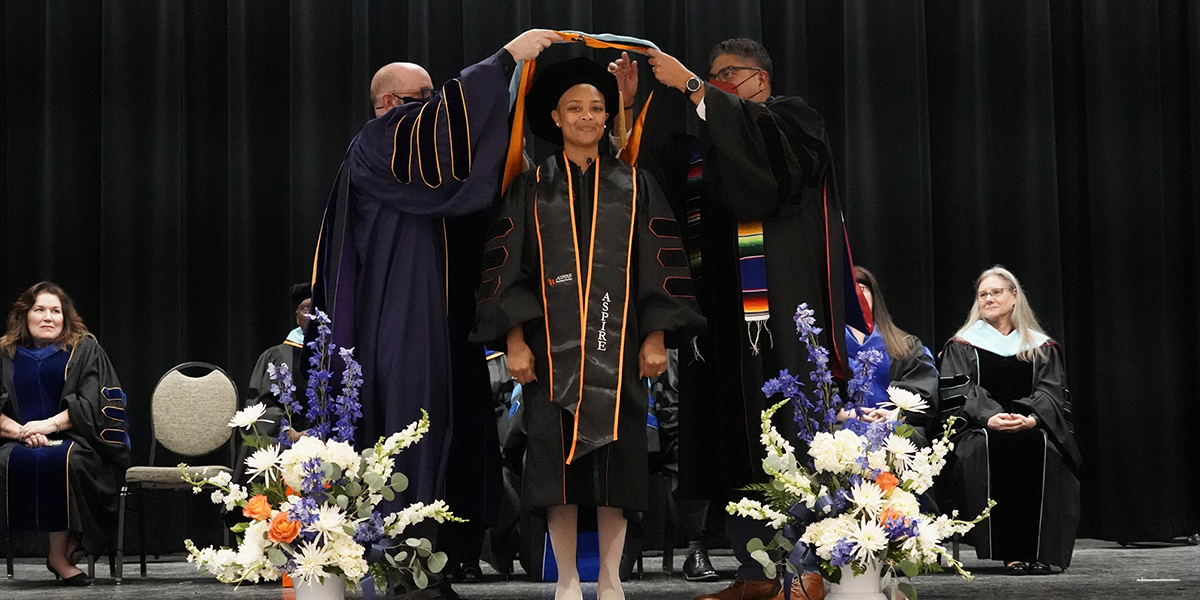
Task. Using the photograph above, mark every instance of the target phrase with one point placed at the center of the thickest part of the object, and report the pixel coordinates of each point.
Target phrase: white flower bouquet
(312, 504)
(852, 503)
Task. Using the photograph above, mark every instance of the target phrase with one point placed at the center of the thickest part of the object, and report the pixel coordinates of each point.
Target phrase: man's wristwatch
(693, 85)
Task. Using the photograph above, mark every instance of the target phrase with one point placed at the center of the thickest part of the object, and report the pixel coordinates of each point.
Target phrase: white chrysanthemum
(264, 462)
(311, 560)
(870, 537)
(248, 416)
(901, 448)
(330, 520)
(905, 400)
(254, 540)
(867, 498)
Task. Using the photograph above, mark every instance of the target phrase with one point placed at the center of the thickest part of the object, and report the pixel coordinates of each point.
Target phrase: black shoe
(1040, 568)
(77, 580)
(1017, 568)
(697, 567)
(470, 574)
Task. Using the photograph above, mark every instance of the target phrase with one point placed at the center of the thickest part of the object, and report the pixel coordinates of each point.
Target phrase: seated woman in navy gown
(906, 363)
(63, 441)
(585, 278)
(1004, 376)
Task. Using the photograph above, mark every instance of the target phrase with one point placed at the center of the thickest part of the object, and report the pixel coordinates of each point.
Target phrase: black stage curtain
(168, 162)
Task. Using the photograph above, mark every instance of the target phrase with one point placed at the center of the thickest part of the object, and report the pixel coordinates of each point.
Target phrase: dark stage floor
(1101, 570)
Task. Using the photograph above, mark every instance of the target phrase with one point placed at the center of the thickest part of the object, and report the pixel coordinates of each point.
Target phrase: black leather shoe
(1017, 568)
(1040, 568)
(77, 580)
(697, 567)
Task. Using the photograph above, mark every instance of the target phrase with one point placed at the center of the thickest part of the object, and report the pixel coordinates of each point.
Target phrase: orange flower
(258, 508)
(890, 513)
(282, 529)
(886, 481)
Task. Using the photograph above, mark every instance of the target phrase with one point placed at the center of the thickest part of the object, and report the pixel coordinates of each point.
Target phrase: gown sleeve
(959, 393)
(917, 374)
(96, 403)
(507, 294)
(765, 154)
(441, 158)
(666, 298)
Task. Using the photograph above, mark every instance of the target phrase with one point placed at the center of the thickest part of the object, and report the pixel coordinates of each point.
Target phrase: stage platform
(1101, 570)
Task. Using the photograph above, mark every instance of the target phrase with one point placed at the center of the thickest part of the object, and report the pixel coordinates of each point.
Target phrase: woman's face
(45, 319)
(581, 115)
(996, 299)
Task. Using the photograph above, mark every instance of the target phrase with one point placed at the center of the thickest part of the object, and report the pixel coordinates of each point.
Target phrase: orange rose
(282, 529)
(890, 513)
(886, 481)
(258, 508)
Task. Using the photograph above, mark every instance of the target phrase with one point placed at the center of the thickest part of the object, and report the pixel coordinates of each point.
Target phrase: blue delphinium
(899, 528)
(370, 530)
(347, 406)
(859, 386)
(818, 412)
(318, 378)
(842, 553)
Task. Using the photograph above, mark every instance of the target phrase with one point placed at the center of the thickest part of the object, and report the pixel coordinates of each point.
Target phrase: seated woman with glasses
(63, 442)
(1004, 377)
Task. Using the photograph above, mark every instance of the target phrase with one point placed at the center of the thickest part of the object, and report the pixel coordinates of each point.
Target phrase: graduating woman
(905, 364)
(1005, 377)
(63, 441)
(585, 277)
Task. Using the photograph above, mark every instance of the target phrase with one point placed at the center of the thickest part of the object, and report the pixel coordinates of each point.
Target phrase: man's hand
(652, 360)
(531, 43)
(627, 76)
(669, 71)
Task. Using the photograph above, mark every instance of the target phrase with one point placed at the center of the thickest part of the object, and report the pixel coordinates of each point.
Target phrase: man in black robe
(764, 233)
(287, 353)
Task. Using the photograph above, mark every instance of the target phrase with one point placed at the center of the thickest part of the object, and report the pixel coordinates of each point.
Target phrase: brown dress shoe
(743, 589)
(809, 586)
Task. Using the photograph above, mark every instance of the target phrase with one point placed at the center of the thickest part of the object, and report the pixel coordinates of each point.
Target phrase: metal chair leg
(91, 566)
(142, 529)
(120, 560)
(8, 553)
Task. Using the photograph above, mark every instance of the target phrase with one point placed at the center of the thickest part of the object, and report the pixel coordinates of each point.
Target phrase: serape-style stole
(753, 267)
(523, 79)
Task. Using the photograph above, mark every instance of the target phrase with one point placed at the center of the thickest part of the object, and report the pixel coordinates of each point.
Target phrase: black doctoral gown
(1032, 473)
(602, 244)
(753, 162)
(99, 453)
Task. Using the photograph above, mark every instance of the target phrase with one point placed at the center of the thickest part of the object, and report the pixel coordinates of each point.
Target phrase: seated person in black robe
(585, 278)
(287, 353)
(1004, 376)
(63, 442)
(906, 364)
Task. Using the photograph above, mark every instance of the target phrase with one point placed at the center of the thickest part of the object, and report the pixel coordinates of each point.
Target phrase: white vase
(857, 587)
(334, 588)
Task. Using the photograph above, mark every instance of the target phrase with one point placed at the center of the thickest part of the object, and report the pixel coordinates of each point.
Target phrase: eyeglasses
(422, 95)
(726, 74)
(997, 293)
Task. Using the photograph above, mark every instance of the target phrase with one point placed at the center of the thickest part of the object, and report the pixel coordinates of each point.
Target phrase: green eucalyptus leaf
(420, 578)
(413, 542)
(240, 527)
(343, 501)
(399, 482)
(910, 568)
(437, 561)
(402, 555)
(276, 556)
(766, 562)
(354, 489)
(908, 589)
(349, 529)
(387, 493)
(364, 511)
(754, 544)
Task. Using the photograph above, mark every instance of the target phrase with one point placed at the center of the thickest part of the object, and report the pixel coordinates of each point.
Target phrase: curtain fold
(168, 164)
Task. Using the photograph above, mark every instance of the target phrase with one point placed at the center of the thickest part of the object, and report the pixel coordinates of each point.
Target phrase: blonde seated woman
(63, 441)
(1016, 444)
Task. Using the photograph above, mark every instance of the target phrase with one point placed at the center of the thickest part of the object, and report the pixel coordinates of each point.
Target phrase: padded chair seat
(169, 477)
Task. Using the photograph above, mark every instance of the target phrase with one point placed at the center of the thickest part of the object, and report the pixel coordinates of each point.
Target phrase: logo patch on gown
(564, 278)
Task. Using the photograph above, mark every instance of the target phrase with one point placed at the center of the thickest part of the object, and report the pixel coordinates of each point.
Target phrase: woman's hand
(652, 360)
(43, 427)
(627, 76)
(519, 357)
(1011, 422)
(35, 440)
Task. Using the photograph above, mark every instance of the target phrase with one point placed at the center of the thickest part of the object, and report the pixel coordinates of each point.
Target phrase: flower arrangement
(852, 504)
(312, 503)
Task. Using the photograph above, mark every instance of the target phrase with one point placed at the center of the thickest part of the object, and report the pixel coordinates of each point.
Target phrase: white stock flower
(248, 416)
(905, 400)
(757, 511)
(236, 494)
(222, 479)
(264, 461)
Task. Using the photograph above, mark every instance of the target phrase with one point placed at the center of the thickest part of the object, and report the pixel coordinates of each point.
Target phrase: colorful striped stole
(755, 308)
